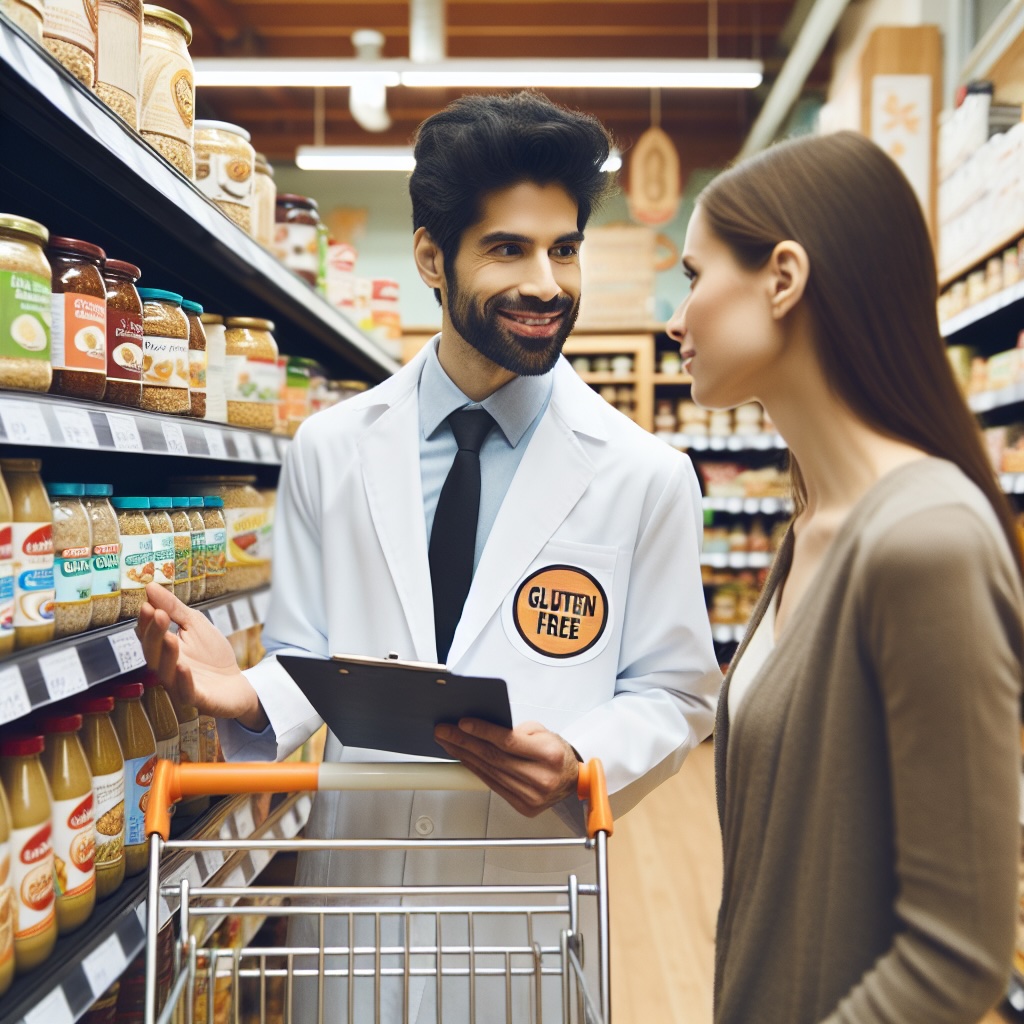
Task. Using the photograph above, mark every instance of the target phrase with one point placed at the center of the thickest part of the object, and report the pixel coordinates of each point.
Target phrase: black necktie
(453, 536)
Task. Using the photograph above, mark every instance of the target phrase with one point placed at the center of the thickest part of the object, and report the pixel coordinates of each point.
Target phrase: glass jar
(263, 202)
(298, 396)
(124, 334)
(182, 550)
(215, 546)
(69, 33)
(225, 163)
(137, 565)
(167, 117)
(197, 359)
(188, 730)
(25, 317)
(72, 559)
(6, 580)
(164, 352)
(161, 716)
(245, 517)
(268, 495)
(79, 315)
(159, 518)
(138, 744)
(32, 552)
(27, 15)
(216, 346)
(7, 899)
(252, 377)
(296, 235)
(195, 518)
(119, 58)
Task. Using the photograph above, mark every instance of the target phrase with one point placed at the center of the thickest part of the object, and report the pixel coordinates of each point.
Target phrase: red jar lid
(60, 723)
(291, 199)
(77, 246)
(150, 679)
(123, 268)
(126, 691)
(21, 746)
(94, 705)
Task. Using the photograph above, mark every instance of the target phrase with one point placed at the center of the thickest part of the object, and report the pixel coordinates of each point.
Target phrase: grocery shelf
(725, 442)
(1012, 483)
(85, 964)
(968, 263)
(981, 310)
(38, 676)
(69, 162)
(727, 634)
(749, 506)
(50, 421)
(672, 378)
(608, 378)
(736, 559)
(987, 401)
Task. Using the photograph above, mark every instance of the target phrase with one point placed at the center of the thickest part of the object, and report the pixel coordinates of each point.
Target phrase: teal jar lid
(65, 490)
(191, 307)
(180, 502)
(147, 294)
(160, 503)
(213, 502)
(120, 503)
(195, 502)
(99, 490)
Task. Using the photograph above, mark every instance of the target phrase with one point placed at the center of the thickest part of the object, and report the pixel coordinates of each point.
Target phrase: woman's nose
(676, 326)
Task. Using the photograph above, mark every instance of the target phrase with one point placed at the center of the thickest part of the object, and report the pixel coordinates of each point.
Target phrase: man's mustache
(524, 304)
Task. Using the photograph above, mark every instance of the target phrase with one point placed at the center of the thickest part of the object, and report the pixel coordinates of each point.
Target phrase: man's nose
(540, 282)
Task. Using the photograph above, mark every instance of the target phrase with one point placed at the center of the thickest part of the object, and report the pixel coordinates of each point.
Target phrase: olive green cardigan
(868, 786)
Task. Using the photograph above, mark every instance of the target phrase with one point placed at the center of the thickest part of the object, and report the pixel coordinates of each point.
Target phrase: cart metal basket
(399, 945)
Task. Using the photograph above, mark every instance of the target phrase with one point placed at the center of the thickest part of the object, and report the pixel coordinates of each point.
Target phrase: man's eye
(566, 252)
(508, 249)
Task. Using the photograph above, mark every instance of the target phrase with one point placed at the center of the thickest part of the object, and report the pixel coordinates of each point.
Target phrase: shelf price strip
(104, 965)
(14, 700)
(63, 673)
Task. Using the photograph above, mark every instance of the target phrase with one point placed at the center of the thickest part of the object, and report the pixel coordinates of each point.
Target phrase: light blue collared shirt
(517, 408)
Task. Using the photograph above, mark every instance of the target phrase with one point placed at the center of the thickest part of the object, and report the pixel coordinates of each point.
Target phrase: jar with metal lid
(124, 334)
(195, 518)
(25, 317)
(69, 33)
(197, 359)
(164, 352)
(137, 565)
(215, 544)
(216, 346)
(245, 516)
(79, 314)
(27, 15)
(263, 202)
(159, 518)
(72, 559)
(182, 550)
(119, 57)
(167, 117)
(296, 235)
(106, 554)
(252, 376)
(225, 163)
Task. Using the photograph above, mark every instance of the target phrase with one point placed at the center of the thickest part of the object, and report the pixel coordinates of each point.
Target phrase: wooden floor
(666, 874)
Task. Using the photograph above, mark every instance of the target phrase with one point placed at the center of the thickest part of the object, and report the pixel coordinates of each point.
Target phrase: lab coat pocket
(562, 611)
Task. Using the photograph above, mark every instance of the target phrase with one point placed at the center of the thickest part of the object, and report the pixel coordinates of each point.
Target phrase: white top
(761, 645)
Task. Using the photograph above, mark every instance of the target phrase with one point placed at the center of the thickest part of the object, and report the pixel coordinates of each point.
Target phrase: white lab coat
(351, 576)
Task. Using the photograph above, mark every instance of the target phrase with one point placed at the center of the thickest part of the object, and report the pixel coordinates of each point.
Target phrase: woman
(867, 751)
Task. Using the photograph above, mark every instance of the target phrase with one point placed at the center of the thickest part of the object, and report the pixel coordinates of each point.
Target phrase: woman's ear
(429, 259)
(789, 269)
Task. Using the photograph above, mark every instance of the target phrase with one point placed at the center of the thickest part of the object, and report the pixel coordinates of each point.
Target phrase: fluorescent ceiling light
(379, 158)
(312, 72)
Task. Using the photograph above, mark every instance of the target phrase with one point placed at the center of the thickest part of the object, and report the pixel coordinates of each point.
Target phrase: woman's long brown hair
(871, 291)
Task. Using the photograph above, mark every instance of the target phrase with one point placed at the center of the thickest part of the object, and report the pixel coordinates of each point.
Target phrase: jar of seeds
(216, 346)
(196, 359)
(159, 517)
(27, 15)
(25, 316)
(215, 544)
(137, 565)
(252, 376)
(79, 314)
(164, 352)
(119, 58)
(69, 32)
(195, 518)
(167, 117)
(264, 196)
(124, 334)
(245, 515)
(224, 169)
(106, 555)
(182, 549)
(72, 559)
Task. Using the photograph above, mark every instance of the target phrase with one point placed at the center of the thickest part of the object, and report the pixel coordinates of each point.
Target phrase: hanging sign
(654, 180)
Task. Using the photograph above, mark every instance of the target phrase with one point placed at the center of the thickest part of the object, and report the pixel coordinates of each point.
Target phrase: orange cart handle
(173, 782)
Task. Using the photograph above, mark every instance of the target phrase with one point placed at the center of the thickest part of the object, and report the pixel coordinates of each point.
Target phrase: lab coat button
(424, 826)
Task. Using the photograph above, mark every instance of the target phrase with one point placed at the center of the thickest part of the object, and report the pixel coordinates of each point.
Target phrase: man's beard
(494, 337)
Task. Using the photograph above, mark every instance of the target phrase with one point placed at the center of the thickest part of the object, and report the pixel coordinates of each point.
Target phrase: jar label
(168, 100)
(8, 910)
(224, 177)
(32, 879)
(163, 558)
(72, 575)
(169, 750)
(33, 573)
(25, 316)
(119, 49)
(79, 332)
(74, 846)
(216, 552)
(196, 369)
(124, 346)
(138, 778)
(183, 556)
(108, 823)
(198, 554)
(245, 533)
(189, 733)
(137, 562)
(297, 246)
(165, 361)
(74, 21)
(252, 380)
(6, 592)
(106, 569)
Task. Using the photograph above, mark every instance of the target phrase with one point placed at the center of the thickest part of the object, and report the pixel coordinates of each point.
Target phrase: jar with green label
(72, 559)
(25, 316)
(216, 546)
(159, 517)
(195, 518)
(182, 550)
(106, 555)
(137, 565)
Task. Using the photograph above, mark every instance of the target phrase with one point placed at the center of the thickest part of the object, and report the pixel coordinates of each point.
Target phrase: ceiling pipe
(810, 43)
(428, 31)
(368, 99)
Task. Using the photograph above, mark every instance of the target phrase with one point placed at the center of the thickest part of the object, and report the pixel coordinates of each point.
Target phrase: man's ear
(429, 259)
(789, 268)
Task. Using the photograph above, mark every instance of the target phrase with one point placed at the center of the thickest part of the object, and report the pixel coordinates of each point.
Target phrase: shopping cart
(550, 971)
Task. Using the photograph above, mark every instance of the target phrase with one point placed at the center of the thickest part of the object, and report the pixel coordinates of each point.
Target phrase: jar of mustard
(25, 309)
(138, 744)
(225, 163)
(161, 716)
(167, 117)
(6, 572)
(7, 898)
(252, 375)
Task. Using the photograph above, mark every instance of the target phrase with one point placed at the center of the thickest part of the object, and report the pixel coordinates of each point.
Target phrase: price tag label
(213, 861)
(104, 965)
(243, 445)
(51, 1009)
(175, 438)
(24, 423)
(128, 650)
(243, 614)
(215, 442)
(77, 428)
(63, 673)
(14, 700)
(125, 432)
(261, 603)
(266, 449)
(221, 618)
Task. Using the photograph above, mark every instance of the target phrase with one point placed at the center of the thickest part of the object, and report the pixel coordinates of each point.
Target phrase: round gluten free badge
(560, 611)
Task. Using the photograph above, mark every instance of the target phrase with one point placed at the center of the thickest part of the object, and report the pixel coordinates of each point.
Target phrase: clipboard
(386, 704)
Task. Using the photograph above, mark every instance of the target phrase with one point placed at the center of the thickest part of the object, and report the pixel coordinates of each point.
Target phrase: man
(570, 569)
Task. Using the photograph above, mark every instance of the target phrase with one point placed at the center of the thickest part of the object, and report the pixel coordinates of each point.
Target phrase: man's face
(514, 290)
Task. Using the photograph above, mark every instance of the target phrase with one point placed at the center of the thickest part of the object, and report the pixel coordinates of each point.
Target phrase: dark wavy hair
(481, 144)
(871, 291)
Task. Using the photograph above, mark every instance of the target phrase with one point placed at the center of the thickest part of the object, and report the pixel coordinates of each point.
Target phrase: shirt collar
(514, 406)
